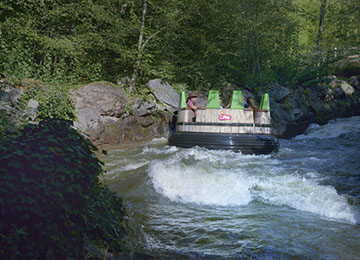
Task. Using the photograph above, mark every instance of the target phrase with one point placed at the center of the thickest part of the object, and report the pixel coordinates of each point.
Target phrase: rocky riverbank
(110, 117)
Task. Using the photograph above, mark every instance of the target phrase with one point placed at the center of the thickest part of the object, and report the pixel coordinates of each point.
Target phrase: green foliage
(50, 195)
(346, 69)
(53, 101)
(5, 125)
(201, 43)
(55, 104)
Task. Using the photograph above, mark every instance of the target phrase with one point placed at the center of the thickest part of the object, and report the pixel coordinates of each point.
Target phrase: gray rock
(145, 121)
(346, 87)
(279, 93)
(89, 122)
(279, 119)
(14, 95)
(106, 98)
(333, 81)
(31, 109)
(296, 114)
(354, 81)
(165, 93)
(142, 108)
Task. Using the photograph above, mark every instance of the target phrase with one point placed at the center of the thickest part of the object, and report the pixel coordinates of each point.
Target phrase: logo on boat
(224, 116)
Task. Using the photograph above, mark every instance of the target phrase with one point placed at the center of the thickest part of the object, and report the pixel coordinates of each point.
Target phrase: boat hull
(244, 143)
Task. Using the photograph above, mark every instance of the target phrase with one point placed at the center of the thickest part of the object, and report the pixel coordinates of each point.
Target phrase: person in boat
(245, 103)
(191, 105)
(222, 106)
(249, 104)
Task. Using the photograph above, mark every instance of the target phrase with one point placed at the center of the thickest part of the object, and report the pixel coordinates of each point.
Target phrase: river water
(301, 203)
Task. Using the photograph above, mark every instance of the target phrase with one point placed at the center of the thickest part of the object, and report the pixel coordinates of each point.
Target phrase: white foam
(161, 140)
(228, 179)
(170, 149)
(197, 185)
(333, 129)
(304, 194)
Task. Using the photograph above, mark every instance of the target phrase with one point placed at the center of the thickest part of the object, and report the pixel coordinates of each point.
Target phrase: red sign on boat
(224, 117)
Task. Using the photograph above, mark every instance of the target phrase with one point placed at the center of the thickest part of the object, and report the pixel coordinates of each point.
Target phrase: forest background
(196, 43)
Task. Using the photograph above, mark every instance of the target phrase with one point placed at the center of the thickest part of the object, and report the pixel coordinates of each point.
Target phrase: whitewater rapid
(227, 179)
(300, 203)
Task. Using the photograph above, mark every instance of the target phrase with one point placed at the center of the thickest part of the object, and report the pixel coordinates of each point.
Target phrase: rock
(354, 81)
(142, 108)
(165, 93)
(145, 121)
(130, 129)
(89, 122)
(339, 94)
(103, 115)
(14, 94)
(296, 114)
(31, 109)
(9, 103)
(108, 99)
(346, 87)
(333, 81)
(279, 119)
(321, 91)
(279, 93)
(110, 135)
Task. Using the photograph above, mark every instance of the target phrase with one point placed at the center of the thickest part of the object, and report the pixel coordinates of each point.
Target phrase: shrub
(54, 101)
(49, 195)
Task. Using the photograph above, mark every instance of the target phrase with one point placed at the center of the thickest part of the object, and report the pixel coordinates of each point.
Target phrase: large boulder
(108, 99)
(108, 117)
(279, 93)
(143, 108)
(165, 94)
(89, 122)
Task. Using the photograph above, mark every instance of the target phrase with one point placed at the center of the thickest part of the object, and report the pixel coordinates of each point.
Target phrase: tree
(321, 24)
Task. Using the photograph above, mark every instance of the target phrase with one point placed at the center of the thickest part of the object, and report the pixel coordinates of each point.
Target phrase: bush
(346, 69)
(49, 195)
(54, 101)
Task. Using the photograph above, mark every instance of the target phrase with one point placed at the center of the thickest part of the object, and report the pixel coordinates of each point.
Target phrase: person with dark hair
(250, 105)
(191, 105)
(222, 106)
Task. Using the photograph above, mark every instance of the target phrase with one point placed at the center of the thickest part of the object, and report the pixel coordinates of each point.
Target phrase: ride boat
(236, 128)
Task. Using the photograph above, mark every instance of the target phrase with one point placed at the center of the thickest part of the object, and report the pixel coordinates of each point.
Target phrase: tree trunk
(257, 66)
(321, 28)
(140, 50)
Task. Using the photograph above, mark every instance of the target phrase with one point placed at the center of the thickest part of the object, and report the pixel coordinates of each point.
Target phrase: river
(300, 203)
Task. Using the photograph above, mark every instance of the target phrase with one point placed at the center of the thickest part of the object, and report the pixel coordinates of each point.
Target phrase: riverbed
(300, 203)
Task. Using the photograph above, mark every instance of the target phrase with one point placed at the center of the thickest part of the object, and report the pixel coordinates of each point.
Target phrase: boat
(235, 128)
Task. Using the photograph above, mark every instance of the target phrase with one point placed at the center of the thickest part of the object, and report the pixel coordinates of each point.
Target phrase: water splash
(224, 178)
(305, 195)
(333, 129)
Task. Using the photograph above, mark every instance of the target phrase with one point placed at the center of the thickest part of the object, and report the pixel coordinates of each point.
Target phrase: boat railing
(225, 121)
(235, 119)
